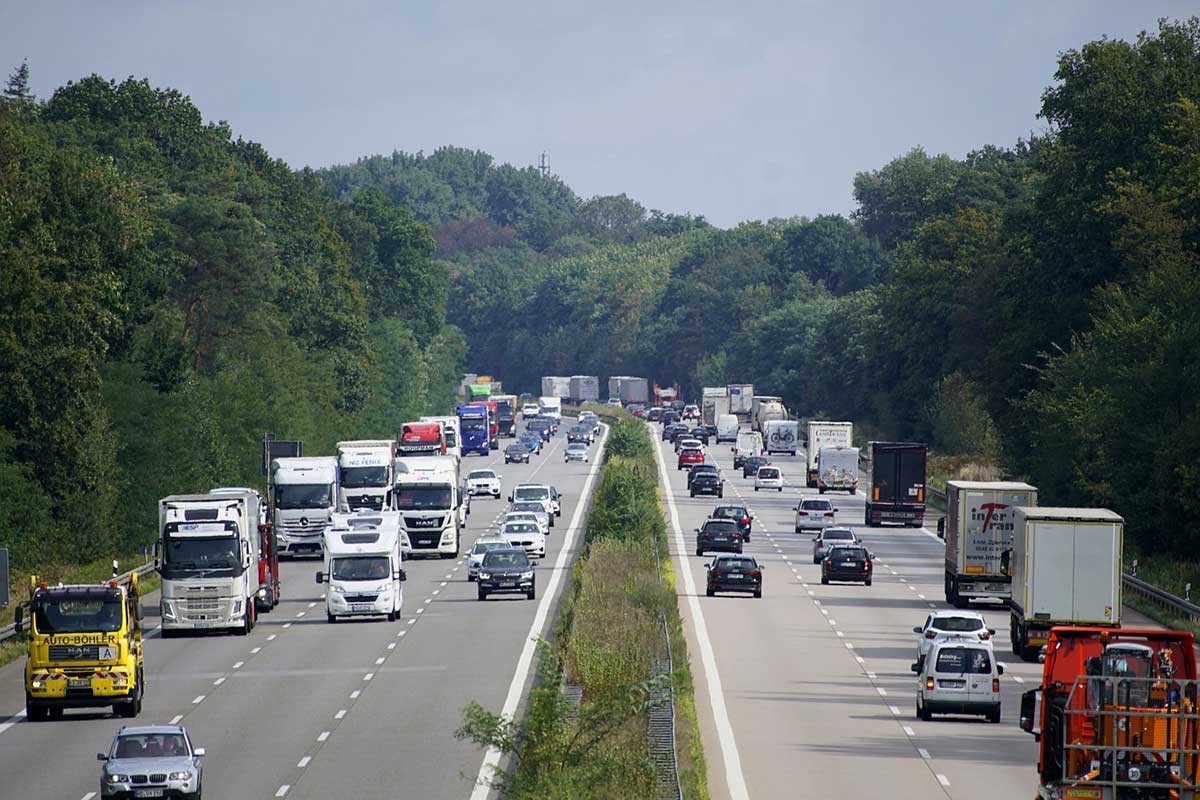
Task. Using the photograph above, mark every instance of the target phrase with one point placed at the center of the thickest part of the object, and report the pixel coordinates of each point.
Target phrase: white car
(691, 412)
(537, 491)
(483, 482)
(768, 478)
(829, 538)
(524, 516)
(530, 410)
(688, 442)
(959, 676)
(576, 452)
(614, 402)
(815, 514)
(940, 624)
(482, 545)
(541, 508)
(526, 534)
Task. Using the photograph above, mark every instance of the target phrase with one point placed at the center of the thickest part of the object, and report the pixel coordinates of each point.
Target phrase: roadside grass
(942, 468)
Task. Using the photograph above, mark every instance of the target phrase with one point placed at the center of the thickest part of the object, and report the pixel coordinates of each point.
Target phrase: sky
(733, 110)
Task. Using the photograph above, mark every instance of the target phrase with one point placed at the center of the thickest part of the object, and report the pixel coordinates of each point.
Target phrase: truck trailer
(978, 529)
(825, 434)
(741, 396)
(629, 389)
(584, 389)
(897, 471)
(556, 386)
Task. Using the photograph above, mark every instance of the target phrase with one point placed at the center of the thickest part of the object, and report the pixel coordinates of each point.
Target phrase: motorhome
(364, 568)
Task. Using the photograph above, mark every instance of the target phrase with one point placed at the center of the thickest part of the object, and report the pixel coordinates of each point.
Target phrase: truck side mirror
(1028, 719)
(321, 577)
(941, 528)
(402, 575)
(158, 555)
(19, 619)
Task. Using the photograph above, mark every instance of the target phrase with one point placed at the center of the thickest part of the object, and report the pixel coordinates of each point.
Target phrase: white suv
(815, 514)
(540, 492)
(959, 676)
(483, 481)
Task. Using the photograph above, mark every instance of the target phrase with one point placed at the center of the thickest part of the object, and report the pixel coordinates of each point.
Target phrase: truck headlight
(336, 589)
(120, 679)
(38, 684)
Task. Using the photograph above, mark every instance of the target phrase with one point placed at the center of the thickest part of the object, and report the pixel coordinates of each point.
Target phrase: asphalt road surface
(304, 709)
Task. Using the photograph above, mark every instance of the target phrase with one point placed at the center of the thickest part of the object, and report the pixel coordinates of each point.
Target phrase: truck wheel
(1012, 635)
(35, 711)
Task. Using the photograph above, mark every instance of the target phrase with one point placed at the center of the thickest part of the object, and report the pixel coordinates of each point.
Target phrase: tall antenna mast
(544, 165)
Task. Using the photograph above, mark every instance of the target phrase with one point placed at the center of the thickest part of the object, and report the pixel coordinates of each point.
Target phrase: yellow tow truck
(85, 648)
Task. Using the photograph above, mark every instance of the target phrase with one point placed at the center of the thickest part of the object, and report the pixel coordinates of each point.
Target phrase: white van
(749, 443)
(550, 407)
(727, 428)
(363, 567)
(959, 676)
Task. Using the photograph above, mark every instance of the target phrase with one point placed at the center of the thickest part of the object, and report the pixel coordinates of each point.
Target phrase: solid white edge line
(716, 694)
(491, 759)
(13, 720)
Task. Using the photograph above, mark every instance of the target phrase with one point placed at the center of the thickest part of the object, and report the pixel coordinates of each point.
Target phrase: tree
(17, 88)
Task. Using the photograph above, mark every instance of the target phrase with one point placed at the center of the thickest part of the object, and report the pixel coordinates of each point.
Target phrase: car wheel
(693, 493)
(868, 581)
(470, 578)
(758, 593)
(994, 716)
(391, 616)
(330, 618)
(781, 488)
(531, 594)
(816, 560)
(711, 592)
(922, 713)
(699, 552)
(824, 581)
(482, 594)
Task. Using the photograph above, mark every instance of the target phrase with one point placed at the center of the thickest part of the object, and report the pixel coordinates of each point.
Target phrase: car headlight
(487, 576)
(114, 777)
(525, 576)
(180, 776)
(336, 589)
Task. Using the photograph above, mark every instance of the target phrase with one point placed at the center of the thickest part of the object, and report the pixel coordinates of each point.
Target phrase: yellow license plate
(1082, 793)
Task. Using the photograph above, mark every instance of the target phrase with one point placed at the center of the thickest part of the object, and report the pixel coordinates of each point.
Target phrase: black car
(707, 483)
(739, 514)
(516, 454)
(669, 416)
(750, 465)
(671, 431)
(679, 431)
(700, 432)
(580, 433)
(507, 570)
(696, 469)
(543, 426)
(718, 534)
(734, 574)
(847, 564)
(654, 414)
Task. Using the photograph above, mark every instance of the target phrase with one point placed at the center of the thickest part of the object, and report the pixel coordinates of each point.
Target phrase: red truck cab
(421, 439)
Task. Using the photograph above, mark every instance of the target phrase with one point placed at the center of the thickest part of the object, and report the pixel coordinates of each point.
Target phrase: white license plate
(148, 792)
(362, 606)
(849, 564)
(507, 585)
(79, 683)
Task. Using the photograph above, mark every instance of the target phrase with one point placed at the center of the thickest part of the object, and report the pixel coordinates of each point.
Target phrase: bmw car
(151, 761)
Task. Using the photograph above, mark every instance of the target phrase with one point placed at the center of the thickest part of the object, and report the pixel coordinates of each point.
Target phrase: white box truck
(714, 404)
(584, 389)
(304, 495)
(781, 436)
(978, 529)
(825, 434)
(837, 470)
(741, 397)
(364, 567)
(1066, 571)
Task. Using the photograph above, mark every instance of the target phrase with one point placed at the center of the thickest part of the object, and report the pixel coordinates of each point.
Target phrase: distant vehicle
(727, 428)
(696, 469)
(713, 405)
(669, 415)
(691, 411)
(654, 414)
(584, 389)
(541, 508)
(626, 389)
(718, 534)
(739, 514)
(527, 535)
(897, 471)
(577, 451)
(707, 483)
(768, 477)
(304, 493)
(837, 469)
(960, 676)
(690, 455)
(524, 516)
(475, 425)
(482, 546)
(815, 514)
(673, 429)
(781, 436)
(687, 442)
(740, 396)
(852, 564)
(516, 454)
(749, 443)
(830, 538)
(483, 482)
(613, 402)
(152, 761)
(532, 441)
(506, 414)
(538, 492)
(530, 410)
(822, 434)
(507, 570)
(942, 623)
(734, 574)
(764, 409)
(638, 411)
(699, 432)
(542, 426)
(752, 464)
(550, 407)
(978, 529)
(591, 419)
(580, 433)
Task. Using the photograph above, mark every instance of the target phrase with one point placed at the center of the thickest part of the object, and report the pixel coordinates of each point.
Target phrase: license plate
(849, 563)
(952, 684)
(148, 792)
(507, 584)
(361, 606)
(79, 683)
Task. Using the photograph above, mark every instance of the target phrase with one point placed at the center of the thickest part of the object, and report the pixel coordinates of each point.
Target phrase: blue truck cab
(474, 424)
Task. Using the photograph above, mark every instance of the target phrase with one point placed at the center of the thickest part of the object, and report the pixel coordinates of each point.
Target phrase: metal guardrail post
(1182, 607)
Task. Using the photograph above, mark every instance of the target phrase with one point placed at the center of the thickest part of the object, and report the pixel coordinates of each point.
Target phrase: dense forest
(1036, 303)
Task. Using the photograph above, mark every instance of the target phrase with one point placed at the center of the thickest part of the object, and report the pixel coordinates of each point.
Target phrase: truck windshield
(78, 614)
(302, 495)
(419, 498)
(358, 568)
(451, 439)
(475, 424)
(364, 477)
(185, 553)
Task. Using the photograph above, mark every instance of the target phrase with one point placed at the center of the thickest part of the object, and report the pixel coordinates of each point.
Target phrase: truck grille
(363, 501)
(73, 652)
(361, 598)
(423, 522)
(295, 528)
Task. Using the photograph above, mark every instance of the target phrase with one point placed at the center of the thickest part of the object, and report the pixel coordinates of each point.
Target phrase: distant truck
(763, 409)
(714, 404)
(474, 426)
(741, 396)
(1066, 571)
(493, 421)
(556, 386)
(303, 493)
(451, 434)
(897, 471)
(584, 389)
(978, 529)
(629, 389)
(781, 436)
(837, 469)
(825, 434)
(506, 414)
(551, 408)
(421, 439)
(366, 473)
(479, 391)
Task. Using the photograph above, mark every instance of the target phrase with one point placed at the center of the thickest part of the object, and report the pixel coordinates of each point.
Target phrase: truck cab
(421, 439)
(450, 434)
(304, 496)
(364, 568)
(474, 423)
(366, 473)
(85, 648)
(506, 414)
(431, 509)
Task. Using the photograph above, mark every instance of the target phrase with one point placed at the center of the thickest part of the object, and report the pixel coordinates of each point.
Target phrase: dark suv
(739, 514)
(750, 465)
(706, 483)
(696, 469)
(700, 432)
(544, 427)
(734, 574)
(508, 570)
(671, 431)
(718, 534)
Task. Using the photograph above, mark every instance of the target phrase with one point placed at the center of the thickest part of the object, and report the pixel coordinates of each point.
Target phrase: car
(507, 570)
(673, 430)
(699, 433)
(685, 441)
(591, 419)
(734, 574)
(669, 416)
(151, 761)
(613, 402)
(696, 469)
(959, 676)
(690, 455)
(829, 538)
(532, 440)
(524, 516)
(768, 477)
(718, 534)
(483, 482)
(815, 514)
(654, 414)
(740, 514)
(530, 410)
(576, 451)
(691, 411)
(750, 465)
(538, 491)
(846, 563)
(539, 508)
(526, 534)
(707, 483)
(580, 433)
(482, 546)
(543, 426)
(638, 411)
(555, 500)
(516, 454)
(951, 622)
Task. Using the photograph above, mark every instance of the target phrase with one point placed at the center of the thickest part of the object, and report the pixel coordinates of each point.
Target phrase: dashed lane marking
(302, 763)
(282, 790)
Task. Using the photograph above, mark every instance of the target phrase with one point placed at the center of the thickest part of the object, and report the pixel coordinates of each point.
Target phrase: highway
(304, 709)
(815, 697)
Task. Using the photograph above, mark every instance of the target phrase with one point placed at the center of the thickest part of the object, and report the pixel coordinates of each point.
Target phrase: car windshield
(848, 553)
(150, 745)
(506, 558)
(577, 448)
(521, 527)
(483, 547)
(364, 477)
(80, 614)
(736, 563)
(516, 448)
(358, 568)
(302, 495)
(957, 624)
(533, 508)
(531, 493)
(973, 660)
(816, 505)
(481, 475)
(421, 498)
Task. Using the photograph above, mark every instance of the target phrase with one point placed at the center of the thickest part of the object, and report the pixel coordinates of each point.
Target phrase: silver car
(479, 550)
(151, 761)
(829, 538)
(815, 514)
(540, 508)
(576, 452)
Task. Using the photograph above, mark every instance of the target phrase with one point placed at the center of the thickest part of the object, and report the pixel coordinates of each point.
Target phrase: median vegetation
(617, 619)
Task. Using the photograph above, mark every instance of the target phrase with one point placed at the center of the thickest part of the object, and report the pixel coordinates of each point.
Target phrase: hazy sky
(734, 110)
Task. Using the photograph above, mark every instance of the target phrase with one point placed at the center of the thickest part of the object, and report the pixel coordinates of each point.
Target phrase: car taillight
(929, 684)
(829, 513)
(868, 565)
(996, 685)
(984, 636)
(755, 574)
(804, 513)
(930, 634)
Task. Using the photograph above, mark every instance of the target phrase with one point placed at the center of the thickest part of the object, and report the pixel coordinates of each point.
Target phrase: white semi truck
(978, 529)
(432, 508)
(825, 434)
(366, 473)
(304, 494)
(556, 386)
(741, 397)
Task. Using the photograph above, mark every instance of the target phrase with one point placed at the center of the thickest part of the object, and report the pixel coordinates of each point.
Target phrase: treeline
(168, 293)
(1035, 304)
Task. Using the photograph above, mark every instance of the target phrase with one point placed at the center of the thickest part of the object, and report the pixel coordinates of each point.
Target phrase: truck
(479, 391)
(303, 494)
(432, 509)
(629, 389)
(268, 552)
(822, 433)
(474, 425)
(978, 529)
(468, 379)
(781, 436)
(714, 403)
(837, 470)
(1066, 571)
(764, 408)
(421, 439)
(364, 567)
(1114, 715)
(897, 471)
(451, 434)
(493, 421)
(209, 555)
(551, 408)
(556, 386)
(584, 389)
(506, 415)
(366, 473)
(85, 648)
(740, 397)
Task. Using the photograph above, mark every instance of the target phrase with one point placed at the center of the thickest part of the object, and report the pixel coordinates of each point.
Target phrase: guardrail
(10, 630)
(1184, 609)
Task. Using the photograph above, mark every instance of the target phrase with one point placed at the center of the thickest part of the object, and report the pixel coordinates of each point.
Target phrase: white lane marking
(435, 591)
(381, 659)
(218, 681)
(924, 753)
(300, 614)
(175, 719)
(839, 634)
(849, 645)
(921, 596)
(942, 779)
(401, 633)
(341, 713)
(302, 763)
(871, 675)
(287, 625)
(391, 646)
(354, 695)
(895, 710)
(271, 638)
(238, 665)
(449, 575)
(13, 720)
(811, 592)
(860, 659)
(322, 736)
(909, 731)
(882, 691)
(368, 676)
(491, 759)
(255, 650)
(716, 693)
(428, 600)
(443, 583)
(912, 588)
(902, 580)
(313, 604)
(1018, 679)
(88, 796)
(419, 611)
(411, 620)
(282, 790)
(199, 699)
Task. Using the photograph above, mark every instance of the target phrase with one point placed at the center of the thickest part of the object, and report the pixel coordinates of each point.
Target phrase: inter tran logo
(989, 511)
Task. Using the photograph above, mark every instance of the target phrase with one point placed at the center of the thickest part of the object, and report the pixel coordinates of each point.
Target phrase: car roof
(962, 640)
(950, 614)
(146, 730)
